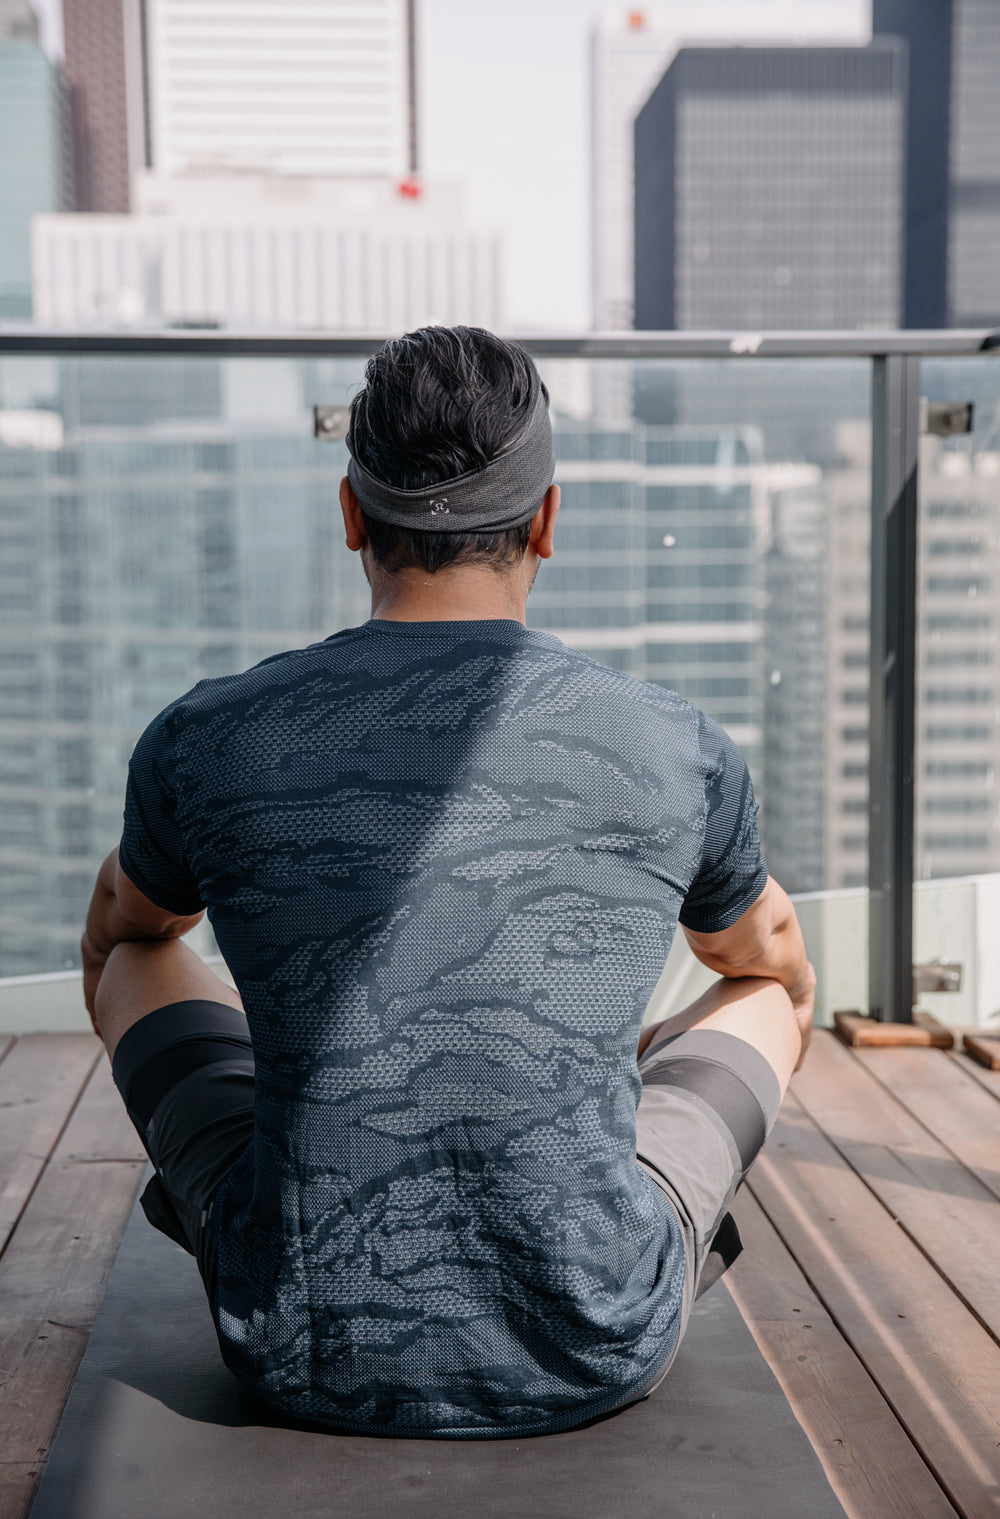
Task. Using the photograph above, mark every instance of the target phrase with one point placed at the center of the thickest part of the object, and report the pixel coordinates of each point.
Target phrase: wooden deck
(870, 1278)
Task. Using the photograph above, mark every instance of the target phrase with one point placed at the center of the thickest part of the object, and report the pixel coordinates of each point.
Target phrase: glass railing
(166, 515)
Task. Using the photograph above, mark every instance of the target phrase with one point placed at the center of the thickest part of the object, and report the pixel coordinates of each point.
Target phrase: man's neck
(464, 593)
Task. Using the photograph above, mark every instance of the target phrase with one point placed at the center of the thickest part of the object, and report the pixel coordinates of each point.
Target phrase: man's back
(445, 863)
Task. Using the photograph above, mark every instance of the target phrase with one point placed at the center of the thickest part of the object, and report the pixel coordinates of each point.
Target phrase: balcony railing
(741, 522)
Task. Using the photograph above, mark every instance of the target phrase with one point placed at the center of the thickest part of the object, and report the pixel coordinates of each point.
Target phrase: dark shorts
(709, 1100)
(186, 1073)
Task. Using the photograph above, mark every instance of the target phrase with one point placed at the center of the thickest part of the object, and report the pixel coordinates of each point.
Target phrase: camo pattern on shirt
(445, 863)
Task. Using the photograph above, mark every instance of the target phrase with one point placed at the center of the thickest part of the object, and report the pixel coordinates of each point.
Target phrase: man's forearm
(783, 960)
(767, 942)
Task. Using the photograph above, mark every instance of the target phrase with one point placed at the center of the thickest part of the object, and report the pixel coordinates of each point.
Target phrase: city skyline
(476, 126)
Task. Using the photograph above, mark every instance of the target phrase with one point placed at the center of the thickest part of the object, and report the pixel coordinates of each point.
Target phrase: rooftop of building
(871, 1225)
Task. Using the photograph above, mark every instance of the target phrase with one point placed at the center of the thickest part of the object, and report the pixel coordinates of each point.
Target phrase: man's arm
(765, 941)
(118, 912)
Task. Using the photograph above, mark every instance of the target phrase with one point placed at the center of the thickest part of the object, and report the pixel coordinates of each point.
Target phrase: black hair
(436, 404)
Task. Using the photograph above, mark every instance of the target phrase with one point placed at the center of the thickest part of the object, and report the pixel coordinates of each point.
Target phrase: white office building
(344, 255)
(302, 87)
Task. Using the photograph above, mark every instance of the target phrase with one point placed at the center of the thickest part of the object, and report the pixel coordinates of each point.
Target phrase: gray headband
(503, 493)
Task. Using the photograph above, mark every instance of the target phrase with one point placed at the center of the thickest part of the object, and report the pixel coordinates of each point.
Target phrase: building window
(980, 841)
(943, 548)
(955, 585)
(966, 769)
(955, 804)
(958, 696)
(958, 658)
(954, 622)
(961, 733)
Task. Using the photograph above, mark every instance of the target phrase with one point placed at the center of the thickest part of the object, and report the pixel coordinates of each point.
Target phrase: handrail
(230, 343)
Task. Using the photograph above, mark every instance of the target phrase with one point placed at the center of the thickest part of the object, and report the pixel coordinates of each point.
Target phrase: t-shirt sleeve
(152, 848)
(732, 873)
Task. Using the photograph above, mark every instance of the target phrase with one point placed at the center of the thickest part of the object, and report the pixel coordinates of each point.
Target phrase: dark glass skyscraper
(769, 188)
(952, 204)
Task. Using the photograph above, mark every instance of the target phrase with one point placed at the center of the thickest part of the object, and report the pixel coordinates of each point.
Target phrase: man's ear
(544, 522)
(354, 526)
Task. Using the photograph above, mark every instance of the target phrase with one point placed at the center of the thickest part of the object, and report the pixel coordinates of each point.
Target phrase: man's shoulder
(276, 672)
(628, 691)
(239, 694)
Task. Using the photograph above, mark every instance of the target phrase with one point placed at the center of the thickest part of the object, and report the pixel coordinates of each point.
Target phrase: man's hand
(120, 912)
(766, 941)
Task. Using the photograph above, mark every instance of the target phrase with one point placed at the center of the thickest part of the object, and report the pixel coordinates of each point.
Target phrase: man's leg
(753, 1009)
(713, 1078)
(142, 975)
(183, 1062)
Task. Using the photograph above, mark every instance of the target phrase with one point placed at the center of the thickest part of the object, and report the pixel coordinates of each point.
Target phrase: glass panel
(957, 790)
(714, 539)
(167, 520)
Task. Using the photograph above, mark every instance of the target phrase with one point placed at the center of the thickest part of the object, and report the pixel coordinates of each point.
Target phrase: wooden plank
(17, 1486)
(870, 1462)
(946, 1210)
(924, 1032)
(985, 1051)
(53, 1272)
(933, 1363)
(949, 1102)
(988, 1080)
(40, 1081)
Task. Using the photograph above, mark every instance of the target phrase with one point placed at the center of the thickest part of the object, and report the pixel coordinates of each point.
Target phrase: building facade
(629, 53)
(94, 38)
(769, 186)
(342, 255)
(35, 152)
(952, 267)
(296, 88)
(631, 46)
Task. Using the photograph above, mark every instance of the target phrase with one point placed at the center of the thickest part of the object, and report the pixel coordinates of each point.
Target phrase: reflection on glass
(957, 801)
(165, 521)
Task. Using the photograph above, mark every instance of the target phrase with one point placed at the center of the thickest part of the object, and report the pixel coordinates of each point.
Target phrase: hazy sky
(504, 90)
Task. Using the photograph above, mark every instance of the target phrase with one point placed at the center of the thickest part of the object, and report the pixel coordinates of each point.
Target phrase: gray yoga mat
(156, 1426)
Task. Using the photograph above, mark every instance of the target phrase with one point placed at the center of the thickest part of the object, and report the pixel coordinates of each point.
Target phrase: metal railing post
(895, 425)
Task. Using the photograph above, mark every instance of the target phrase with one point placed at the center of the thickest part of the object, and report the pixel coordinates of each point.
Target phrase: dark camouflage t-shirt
(445, 863)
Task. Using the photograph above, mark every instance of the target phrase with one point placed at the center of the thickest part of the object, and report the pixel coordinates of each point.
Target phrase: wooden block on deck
(983, 1049)
(924, 1032)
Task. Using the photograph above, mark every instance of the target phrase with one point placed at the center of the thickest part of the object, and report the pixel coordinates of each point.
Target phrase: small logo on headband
(439, 508)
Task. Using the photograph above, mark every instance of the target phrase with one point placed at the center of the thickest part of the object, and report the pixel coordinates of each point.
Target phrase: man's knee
(133, 983)
(759, 1011)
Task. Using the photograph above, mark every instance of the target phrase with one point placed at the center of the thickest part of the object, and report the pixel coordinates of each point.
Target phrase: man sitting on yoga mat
(429, 1188)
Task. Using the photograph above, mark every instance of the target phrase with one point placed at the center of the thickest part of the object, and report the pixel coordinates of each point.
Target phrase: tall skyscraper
(35, 169)
(952, 215)
(769, 186)
(629, 53)
(285, 88)
(631, 47)
(94, 36)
